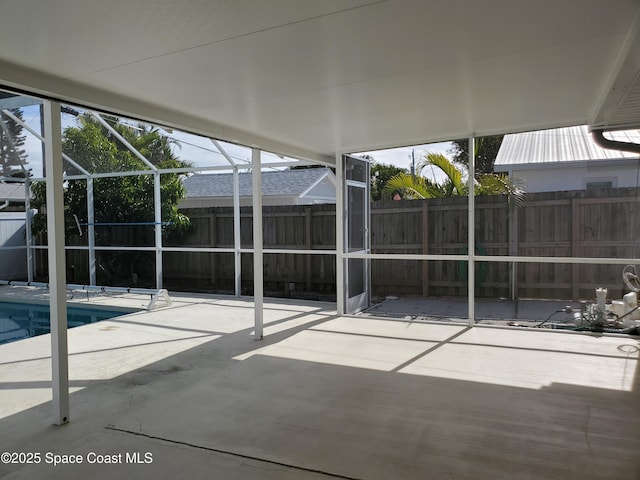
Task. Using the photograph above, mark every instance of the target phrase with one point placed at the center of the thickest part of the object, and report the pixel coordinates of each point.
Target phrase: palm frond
(500, 184)
(453, 173)
(411, 186)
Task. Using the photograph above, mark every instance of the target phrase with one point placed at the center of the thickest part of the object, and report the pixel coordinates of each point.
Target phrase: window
(599, 184)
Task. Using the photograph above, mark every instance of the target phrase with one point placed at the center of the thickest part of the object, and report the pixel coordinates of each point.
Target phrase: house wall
(13, 263)
(323, 192)
(575, 177)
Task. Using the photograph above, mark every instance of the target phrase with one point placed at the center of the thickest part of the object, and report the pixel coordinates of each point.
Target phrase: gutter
(599, 138)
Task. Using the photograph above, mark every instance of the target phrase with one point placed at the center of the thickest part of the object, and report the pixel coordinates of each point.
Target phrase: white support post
(27, 228)
(91, 233)
(340, 284)
(471, 235)
(57, 277)
(258, 273)
(157, 206)
(237, 245)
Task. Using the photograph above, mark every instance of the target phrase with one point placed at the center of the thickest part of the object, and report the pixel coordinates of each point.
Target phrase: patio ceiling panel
(82, 36)
(324, 77)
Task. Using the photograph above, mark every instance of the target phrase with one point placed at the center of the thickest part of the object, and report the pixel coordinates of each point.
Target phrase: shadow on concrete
(205, 413)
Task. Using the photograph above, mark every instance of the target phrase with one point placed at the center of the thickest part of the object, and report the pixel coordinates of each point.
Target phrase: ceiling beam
(620, 86)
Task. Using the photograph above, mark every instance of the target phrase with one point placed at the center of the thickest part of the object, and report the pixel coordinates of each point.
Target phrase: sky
(199, 150)
(32, 145)
(202, 152)
(402, 157)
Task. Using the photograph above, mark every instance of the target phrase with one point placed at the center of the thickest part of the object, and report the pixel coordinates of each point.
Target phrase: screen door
(356, 195)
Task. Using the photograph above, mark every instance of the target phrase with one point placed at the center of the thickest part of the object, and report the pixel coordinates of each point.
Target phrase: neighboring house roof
(559, 145)
(12, 192)
(280, 183)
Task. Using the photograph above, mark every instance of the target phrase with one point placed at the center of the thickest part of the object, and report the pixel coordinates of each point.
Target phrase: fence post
(513, 248)
(576, 227)
(212, 241)
(425, 248)
(307, 236)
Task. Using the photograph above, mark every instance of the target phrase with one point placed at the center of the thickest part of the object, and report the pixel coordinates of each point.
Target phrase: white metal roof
(310, 78)
(570, 144)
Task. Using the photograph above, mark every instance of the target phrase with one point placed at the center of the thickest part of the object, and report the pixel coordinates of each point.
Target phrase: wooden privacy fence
(598, 223)
(594, 223)
(286, 227)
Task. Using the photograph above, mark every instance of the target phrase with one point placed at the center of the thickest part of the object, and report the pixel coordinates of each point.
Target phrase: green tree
(381, 173)
(486, 150)
(11, 155)
(454, 185)
(119, 199)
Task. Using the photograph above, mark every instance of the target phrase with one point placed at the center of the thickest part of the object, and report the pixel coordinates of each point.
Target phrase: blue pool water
(23, 320)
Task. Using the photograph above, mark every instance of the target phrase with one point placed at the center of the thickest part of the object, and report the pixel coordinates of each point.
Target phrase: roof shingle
(284, 182)
(13, 192)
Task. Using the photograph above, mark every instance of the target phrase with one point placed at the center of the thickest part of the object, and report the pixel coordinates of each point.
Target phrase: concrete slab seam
(234, 454)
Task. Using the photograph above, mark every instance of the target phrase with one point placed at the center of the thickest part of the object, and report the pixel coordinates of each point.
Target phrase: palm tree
(500, 184)
(454, 185)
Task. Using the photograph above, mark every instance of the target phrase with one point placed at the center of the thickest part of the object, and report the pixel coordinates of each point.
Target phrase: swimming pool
(24, 320)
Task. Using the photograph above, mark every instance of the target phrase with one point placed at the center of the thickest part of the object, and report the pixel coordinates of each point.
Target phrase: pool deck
(322, 397)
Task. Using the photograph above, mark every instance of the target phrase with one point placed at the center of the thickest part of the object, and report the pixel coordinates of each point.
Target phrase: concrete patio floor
(455, 309)
(189, 390)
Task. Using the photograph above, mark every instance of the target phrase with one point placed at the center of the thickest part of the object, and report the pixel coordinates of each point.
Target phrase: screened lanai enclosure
(537, 258)
(563, 261)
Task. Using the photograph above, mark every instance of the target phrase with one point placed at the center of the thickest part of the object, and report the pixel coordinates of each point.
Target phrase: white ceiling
(312, 78)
